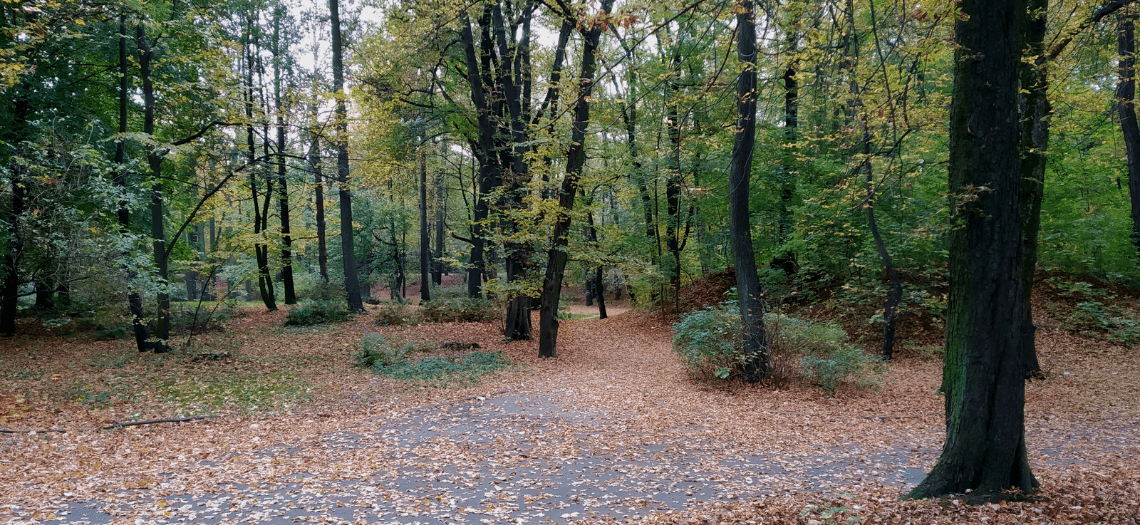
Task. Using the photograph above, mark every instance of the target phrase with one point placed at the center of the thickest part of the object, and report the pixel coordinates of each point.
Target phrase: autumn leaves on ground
(269, 386)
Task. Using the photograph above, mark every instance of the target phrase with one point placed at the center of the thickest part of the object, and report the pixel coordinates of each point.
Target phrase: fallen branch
(153, 421)
(61, 431)
(774, 411)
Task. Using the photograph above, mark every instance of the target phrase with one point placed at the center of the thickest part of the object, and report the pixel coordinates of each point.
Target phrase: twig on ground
(57, 430)
(153, 421)
(772, 410)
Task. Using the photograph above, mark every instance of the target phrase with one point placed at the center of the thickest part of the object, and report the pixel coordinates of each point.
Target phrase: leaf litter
(611, 431)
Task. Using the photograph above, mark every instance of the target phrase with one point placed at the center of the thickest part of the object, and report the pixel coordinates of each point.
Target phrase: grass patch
(246, 393)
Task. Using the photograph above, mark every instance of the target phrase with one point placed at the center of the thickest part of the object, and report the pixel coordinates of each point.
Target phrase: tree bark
(440, 211)
(134, 299)
(351, 279)
(1126, 108)
(319, 197)
(157, 216)
(282, 185)
(260, 217)
(1036, 111)
(984, 372)
(425, 238)
(575, 161)
(755, 341)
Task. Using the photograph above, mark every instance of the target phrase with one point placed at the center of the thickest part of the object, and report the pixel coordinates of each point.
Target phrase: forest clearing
(853, 260)
(613, 430)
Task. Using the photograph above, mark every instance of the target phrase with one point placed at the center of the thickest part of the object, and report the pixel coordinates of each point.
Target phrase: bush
(317, 312)
(396, 315)
(708, 342)
(461, 309)
(375, 351)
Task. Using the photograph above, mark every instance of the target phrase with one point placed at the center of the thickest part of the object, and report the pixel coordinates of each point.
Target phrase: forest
(954, 186)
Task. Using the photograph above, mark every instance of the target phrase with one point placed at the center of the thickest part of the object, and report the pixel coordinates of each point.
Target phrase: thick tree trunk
(351, 279)
(575, 161)
(755, 341)
(984, 372)
(282, 185)
(1036, 111)
(1126, 108)
(15, 247)
(425, 238)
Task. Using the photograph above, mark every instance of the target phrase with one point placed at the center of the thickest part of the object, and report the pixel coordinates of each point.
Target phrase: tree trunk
(599, 288)
(1126, 108)
(10, 308)
(319, 197)
(425, 239)
(984, 372)
(440, 213)
(260, 218)
(575, 161)
(755, 341)
(351, 280)
(157, 216)
(282, 185)
(1036, 112)
(134, 299)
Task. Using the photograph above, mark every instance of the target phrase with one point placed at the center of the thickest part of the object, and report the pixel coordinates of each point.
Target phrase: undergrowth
(459, 310)
(708, 342)
(406, 361)
(317, 312)
(1082, 308)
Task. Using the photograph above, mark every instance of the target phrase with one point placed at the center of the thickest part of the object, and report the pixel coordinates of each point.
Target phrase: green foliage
(190, 317)
(374, 350)
(462, 370)
(317, 312)
(1115, 323)
(459, 310)
(397, 314)
(709, 344)
(398, 360)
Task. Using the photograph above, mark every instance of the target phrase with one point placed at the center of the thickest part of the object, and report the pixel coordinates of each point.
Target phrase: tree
(557, 255)
(748, 290)
(984, 372)
(351, 279)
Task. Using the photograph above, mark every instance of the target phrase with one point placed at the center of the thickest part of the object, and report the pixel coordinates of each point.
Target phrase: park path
(612, 428)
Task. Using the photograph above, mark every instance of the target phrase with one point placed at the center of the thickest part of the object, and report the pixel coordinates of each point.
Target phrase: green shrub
(1115, 323)
(376, 351)
(317, 312)
(708, 342)
(460, 309)
(396, 315)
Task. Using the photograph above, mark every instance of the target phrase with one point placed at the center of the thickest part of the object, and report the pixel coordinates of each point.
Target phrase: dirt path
(612, 428)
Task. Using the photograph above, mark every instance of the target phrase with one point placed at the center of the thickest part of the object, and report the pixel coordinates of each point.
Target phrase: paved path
(514, 458)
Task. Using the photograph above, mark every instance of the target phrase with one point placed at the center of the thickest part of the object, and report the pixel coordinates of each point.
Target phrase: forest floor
(612, 430)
